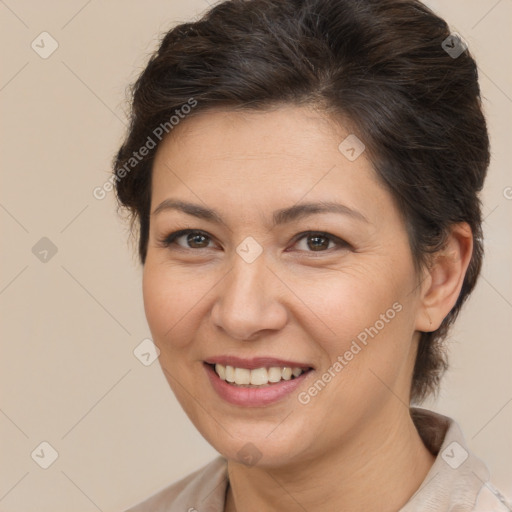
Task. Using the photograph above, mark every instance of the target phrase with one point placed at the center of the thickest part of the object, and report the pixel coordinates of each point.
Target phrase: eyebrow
(282, 216)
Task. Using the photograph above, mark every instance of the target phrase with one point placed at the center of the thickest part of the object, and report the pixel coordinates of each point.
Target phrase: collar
(457, 475)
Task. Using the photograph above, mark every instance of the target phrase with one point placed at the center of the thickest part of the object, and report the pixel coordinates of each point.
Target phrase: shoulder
(491, 499)
(203, 489)
(458, 480)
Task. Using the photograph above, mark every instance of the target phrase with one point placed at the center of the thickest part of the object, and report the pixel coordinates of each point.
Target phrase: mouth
(257, 382)
(257, 377)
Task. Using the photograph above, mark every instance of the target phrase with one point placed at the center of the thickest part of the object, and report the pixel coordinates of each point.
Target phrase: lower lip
(254, 397)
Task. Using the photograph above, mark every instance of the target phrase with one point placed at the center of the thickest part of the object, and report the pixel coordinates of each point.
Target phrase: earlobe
(445, 278)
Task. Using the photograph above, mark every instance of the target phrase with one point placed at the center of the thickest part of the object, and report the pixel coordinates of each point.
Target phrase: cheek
(347, 303)
(365, 326)
(170, 300)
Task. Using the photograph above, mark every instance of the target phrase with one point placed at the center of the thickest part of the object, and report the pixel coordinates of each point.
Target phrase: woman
(304, 175)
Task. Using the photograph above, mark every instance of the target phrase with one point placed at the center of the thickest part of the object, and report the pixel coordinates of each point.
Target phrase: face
(266, 279)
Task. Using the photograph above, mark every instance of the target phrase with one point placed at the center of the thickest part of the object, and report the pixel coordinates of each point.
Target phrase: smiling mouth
(258, 377)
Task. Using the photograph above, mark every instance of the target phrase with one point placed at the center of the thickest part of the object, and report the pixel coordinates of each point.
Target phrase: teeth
(274, 374)
(287, 373)
(221, 371)
(230, 373)
(242, 376)
(257, 377)
(296, 372)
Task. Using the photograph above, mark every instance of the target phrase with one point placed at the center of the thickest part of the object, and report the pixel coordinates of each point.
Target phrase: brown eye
(193, 239)
(319, 242)
(197, 240)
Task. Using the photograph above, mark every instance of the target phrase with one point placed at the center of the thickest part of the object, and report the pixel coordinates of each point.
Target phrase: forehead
(272, 159)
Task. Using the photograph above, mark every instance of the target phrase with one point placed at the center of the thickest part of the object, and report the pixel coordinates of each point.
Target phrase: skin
(294, 302)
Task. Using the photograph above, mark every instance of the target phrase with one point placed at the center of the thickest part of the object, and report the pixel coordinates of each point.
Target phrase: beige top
(457, 481)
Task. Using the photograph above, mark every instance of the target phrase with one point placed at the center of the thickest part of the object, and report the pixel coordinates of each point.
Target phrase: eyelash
(170, 239)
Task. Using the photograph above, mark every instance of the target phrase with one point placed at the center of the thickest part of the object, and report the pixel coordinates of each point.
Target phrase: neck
(386, 456)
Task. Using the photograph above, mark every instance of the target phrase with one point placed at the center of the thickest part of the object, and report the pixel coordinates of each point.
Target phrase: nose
(248, 304)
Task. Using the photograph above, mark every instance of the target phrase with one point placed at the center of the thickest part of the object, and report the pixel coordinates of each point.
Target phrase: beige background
(69, 325)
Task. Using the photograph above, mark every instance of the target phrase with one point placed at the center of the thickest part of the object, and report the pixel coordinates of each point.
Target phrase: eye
(193, 239)
(315, 241)
(318, 241)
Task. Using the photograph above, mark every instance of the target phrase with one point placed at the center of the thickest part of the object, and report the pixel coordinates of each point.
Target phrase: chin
(257, 445)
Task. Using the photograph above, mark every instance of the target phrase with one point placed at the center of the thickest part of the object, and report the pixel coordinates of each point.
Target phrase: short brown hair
(381, 64)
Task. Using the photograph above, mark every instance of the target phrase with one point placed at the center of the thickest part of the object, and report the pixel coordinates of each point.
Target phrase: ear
(444, 278)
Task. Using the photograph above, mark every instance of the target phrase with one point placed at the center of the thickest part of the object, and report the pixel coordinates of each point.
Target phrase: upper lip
(255, 362)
